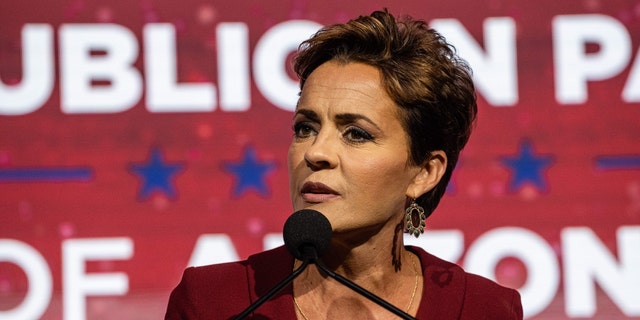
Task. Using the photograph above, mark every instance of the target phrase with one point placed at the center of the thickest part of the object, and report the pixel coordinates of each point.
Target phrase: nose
(321, 153)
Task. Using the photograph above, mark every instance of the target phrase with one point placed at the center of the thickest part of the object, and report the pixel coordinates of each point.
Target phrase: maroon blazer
(224, 290)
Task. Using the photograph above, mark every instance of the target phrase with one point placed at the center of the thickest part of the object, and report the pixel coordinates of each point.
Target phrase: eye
(303, 130)
(357, 135)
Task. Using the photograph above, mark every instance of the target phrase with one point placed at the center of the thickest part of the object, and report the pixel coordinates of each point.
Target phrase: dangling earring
(415, 219)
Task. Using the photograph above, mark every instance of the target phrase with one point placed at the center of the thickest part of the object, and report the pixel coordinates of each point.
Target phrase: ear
(431, 171)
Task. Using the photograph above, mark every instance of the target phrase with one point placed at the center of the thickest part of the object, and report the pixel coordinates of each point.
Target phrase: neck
(379, 251)
(375, 260)
(321, 297)
(375, 264)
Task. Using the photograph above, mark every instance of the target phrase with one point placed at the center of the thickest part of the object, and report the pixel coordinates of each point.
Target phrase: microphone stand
(310, 256)
(353, 286)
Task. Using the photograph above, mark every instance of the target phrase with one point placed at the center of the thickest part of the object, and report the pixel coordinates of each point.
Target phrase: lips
(317, 192)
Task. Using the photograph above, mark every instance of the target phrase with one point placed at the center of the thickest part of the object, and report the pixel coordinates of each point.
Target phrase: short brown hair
(421, 73)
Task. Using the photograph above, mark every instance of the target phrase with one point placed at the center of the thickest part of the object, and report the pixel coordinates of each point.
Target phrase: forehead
(350, 86)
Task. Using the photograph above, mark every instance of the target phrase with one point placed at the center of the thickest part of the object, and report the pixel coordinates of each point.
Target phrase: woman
(385, 109)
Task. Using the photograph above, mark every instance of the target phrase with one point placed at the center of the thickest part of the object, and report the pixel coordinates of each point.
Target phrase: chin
(318, 206)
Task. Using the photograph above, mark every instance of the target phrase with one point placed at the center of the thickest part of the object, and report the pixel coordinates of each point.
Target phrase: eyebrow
(341, 118)
(352, 117)
(312, 115)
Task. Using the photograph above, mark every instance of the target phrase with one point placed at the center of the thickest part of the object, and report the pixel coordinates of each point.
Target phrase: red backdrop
(134, 134)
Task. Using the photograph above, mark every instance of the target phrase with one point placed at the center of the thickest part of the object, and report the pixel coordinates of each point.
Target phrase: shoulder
(200, 288)
(493, 300)
(231, 274)
(451, 292)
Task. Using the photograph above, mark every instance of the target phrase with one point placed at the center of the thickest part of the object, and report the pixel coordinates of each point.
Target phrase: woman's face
(349, 158)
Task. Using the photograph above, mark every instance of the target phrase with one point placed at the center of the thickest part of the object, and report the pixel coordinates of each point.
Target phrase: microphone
(307, 235)
(306, 231)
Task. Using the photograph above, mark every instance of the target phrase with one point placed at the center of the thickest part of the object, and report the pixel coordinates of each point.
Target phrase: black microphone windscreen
(307, 228)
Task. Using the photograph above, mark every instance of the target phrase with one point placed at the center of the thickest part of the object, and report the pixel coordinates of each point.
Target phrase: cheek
(294, 156)
(382, 173)
(291, 163)
(295, 161)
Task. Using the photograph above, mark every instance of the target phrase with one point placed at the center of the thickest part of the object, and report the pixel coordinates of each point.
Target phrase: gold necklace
(295, 302)
(415, 285)
(413, 294)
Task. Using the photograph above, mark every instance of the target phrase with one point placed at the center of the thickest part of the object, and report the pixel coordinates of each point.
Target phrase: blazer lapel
(443, 289)
(264, 271)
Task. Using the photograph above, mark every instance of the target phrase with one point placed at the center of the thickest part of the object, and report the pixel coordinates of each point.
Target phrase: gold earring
(415, 219)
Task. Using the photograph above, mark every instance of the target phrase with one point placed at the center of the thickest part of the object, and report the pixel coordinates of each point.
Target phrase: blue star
(156, 175)
(250, 173)
(527, 167)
